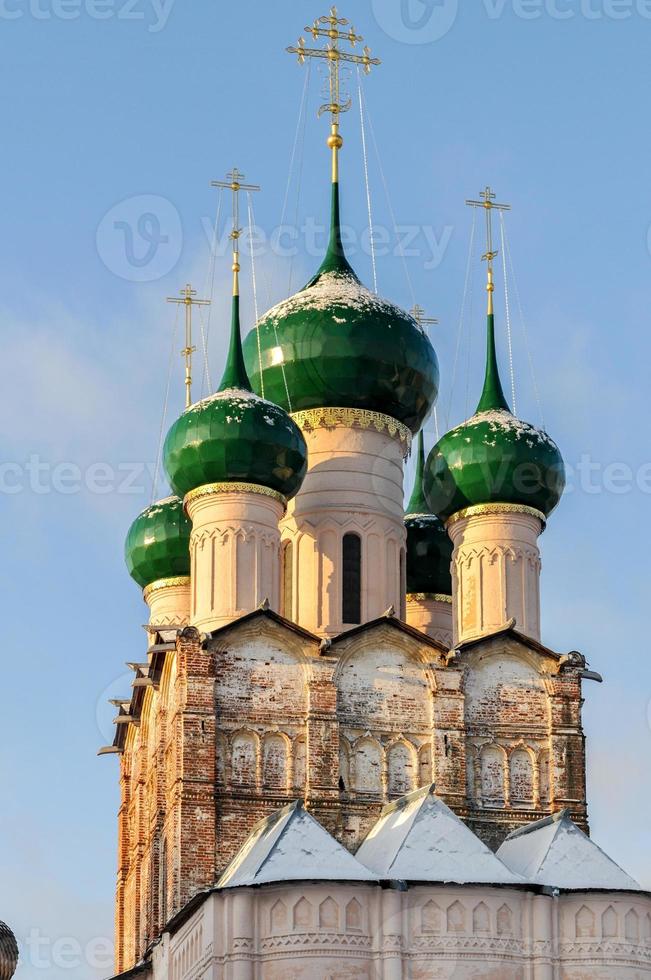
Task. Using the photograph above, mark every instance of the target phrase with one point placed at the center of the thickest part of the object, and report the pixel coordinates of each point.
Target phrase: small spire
(235, 373)
(493, 393)
(335, 258)
(418, 504)
(492, 396)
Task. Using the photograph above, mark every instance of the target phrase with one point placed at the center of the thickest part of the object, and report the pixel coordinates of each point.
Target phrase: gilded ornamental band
(210, 489)
(479, 510)
(355, 418)
(166, 583)
(428, 597)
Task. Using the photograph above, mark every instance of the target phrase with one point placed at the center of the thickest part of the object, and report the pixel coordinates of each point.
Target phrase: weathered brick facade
(226, 729)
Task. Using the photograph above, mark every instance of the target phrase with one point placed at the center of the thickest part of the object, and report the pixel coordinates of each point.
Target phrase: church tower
(347, 741)
(236, 460)
(359, 377)
(494, 480)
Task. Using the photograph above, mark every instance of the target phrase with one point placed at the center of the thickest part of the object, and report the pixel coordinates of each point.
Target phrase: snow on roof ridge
(419, 838)
(529, 828)
(407, 799)
(563, 857)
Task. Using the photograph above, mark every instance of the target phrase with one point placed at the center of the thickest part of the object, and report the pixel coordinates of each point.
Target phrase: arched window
(351, 585)
(403, 586)
(288, 580)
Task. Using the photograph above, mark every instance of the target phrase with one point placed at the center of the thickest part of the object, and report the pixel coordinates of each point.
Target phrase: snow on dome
(236, 395)
(418, 838)
(290, 845)
(556, 853)
(335, 289)
(501, 420)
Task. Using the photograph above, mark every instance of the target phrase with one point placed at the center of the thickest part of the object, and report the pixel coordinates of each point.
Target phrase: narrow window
(352, 580)
(403, 586)
(288, 580)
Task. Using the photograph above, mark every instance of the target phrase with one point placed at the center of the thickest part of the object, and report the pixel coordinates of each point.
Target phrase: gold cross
(187, 299)
(488, 203)
(328, 27)
(418, 314)
(235, 182)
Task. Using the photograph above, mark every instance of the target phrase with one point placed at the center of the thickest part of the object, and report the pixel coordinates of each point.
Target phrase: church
(348, 752)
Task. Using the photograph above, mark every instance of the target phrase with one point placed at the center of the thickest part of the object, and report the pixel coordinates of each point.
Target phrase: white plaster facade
(330, 931)
(354, 484)
(234, 553)
(169, 602)
(431, 615)
(495, 570)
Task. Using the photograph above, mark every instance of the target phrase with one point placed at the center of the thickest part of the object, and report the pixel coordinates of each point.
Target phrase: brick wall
(262, 715)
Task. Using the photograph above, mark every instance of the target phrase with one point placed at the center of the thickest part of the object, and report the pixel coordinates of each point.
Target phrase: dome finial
(329, 27)
(493, 393)
(187, 299)
(235, 374)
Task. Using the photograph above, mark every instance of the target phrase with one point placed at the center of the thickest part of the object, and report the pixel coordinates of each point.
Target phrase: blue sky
(115, 112)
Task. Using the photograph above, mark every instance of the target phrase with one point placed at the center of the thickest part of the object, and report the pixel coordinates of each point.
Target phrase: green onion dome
(8, 952)
(158, 543)
(235, 437)
(494, 457)
(429, 548)
(335, 344)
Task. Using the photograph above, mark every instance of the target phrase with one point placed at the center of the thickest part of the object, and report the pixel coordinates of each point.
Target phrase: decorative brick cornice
(354, 418)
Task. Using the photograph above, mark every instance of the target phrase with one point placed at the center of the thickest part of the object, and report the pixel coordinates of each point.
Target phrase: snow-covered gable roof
(290, 845)
(418, 838)
(556, 853)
